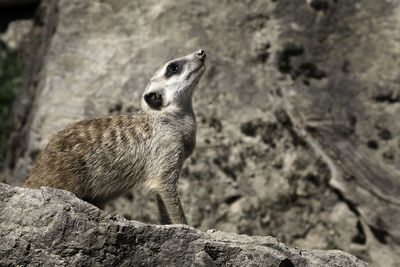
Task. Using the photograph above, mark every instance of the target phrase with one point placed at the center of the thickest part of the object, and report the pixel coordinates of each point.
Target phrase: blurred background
(298, 111)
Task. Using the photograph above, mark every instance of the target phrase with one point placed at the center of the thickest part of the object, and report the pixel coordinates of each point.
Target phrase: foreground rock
(54, 228)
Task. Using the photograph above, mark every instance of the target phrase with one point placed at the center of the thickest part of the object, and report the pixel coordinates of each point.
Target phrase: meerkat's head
(173, 84)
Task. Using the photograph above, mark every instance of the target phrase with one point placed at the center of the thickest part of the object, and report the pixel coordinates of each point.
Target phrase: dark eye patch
(174, 68)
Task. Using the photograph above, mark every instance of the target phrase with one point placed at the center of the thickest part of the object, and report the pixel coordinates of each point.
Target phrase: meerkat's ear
(154, 99)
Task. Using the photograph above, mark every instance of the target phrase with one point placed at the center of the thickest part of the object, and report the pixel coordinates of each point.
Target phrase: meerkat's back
(87, 156)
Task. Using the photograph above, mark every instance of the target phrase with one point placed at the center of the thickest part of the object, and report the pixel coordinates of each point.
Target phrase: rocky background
(297, 130)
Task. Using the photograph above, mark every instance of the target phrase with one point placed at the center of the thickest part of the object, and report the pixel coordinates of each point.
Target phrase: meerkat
(101, 159)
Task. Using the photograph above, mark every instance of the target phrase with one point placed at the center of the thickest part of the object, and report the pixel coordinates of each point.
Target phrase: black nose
(201, 54)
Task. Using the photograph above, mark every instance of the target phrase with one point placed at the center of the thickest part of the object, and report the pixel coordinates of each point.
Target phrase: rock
(285, 79)
(16, 34)
(54, 228)
(344, 111)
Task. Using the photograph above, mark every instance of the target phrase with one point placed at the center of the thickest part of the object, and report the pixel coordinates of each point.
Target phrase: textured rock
(345, 94)
(16, 33)
(50, 227)
(285, 79)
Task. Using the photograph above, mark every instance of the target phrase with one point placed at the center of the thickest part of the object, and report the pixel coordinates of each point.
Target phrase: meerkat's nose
(201, 54)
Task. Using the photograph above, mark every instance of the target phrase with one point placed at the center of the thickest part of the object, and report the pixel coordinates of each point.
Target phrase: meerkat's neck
(181, 109)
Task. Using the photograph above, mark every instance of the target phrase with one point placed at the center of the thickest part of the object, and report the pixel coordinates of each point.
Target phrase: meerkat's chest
(188, 134)
(189, 140)
(180, 134)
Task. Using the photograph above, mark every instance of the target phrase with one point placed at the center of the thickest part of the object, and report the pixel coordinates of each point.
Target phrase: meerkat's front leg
(169, 204)
(164, 217)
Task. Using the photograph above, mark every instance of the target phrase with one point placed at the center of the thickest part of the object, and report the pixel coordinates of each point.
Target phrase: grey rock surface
(345, 94)
(50, 227)
(297, 130)
(16, 33)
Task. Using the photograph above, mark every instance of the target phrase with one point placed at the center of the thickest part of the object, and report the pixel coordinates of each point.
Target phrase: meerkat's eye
(174, 68)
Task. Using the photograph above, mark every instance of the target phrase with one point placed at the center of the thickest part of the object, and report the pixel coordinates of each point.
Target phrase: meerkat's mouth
(197, 71)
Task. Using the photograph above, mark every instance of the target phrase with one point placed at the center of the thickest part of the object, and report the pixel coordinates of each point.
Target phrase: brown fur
(63, 163)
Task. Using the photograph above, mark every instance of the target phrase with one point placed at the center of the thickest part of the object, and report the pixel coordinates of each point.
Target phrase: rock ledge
(50, 227)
